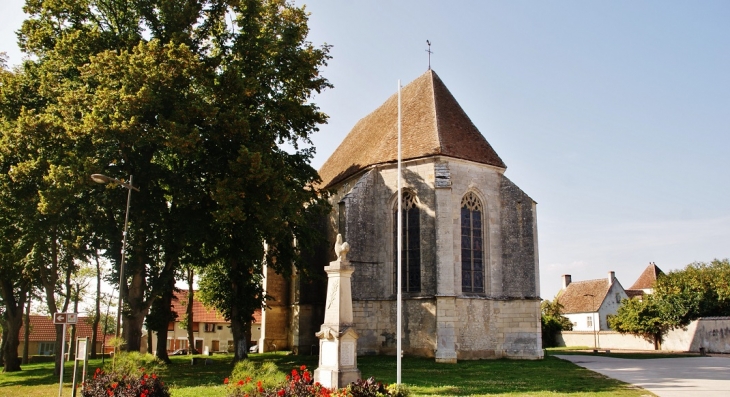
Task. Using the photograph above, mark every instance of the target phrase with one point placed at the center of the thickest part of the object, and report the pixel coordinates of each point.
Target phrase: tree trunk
(3, 341)
(136, 307)
(14, 299)
(26, 336)
(12, 361)
(189, 312)
(240, 341)
(97, 309)
(165, 306)
(51, 299)
(72, 344)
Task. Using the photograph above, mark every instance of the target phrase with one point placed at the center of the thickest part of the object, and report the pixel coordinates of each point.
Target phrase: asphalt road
(665, 377)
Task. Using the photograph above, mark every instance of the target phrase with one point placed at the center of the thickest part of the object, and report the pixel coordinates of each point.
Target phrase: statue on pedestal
(337, 336)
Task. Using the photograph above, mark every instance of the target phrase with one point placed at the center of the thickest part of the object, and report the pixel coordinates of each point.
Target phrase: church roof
(647, 279)
(433, 123)
(576, 298)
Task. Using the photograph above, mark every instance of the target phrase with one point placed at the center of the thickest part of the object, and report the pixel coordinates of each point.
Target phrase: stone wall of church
(519, 242)
(375, 322)
(498, 328)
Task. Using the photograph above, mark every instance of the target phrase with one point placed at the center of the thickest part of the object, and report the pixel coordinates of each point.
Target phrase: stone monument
(337, 336)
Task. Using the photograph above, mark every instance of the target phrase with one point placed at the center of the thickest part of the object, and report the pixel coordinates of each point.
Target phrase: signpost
(65, 319)
(82, 353)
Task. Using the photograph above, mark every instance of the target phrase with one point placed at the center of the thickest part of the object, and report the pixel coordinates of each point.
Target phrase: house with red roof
(42, 337)
(645, 283)
(212, 332)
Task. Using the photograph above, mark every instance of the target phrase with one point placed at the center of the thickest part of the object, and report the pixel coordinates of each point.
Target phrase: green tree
(681, 296)
(198, 109)
(698, 290)
(552, 321)
(646, 318)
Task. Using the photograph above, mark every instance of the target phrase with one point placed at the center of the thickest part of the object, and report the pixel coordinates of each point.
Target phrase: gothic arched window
(411, 249)
(472, 244)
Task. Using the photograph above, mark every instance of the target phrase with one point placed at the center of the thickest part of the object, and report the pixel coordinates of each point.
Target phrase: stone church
(470, 257)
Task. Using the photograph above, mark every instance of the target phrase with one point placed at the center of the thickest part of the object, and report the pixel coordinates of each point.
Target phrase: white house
(587, 303)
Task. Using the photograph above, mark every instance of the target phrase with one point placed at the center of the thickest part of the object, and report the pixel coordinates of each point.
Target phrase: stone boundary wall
(711, 333)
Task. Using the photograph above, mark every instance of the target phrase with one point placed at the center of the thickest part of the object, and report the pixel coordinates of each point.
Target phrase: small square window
(209, 327)
(590, 321)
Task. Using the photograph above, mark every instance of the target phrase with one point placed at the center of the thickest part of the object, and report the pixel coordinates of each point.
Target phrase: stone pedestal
(337, 337)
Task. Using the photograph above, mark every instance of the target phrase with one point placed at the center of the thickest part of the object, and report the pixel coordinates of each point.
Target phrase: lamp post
(103, 179)
(593, 306)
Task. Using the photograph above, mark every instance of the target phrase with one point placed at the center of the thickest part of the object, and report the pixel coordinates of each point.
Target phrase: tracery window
(411, 249)
(472, 244)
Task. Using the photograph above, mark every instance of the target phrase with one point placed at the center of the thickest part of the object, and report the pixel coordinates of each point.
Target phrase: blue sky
(613, 116)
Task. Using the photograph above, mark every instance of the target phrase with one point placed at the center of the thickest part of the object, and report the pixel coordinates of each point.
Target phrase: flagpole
(399, 305)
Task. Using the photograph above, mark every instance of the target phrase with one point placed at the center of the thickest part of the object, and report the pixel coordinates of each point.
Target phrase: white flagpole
(399, 310)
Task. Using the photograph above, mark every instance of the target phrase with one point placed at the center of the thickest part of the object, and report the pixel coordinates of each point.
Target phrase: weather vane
(429, 54)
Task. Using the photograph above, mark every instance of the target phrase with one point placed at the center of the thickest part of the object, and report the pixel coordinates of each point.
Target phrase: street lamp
(593, 306)
(103, 179)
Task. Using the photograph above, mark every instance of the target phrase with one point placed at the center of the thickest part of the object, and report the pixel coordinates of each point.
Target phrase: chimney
(611, 277)
(566, 280)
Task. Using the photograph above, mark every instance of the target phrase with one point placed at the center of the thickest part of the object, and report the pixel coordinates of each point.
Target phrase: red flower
(225, 381)
(259, 387)
(306, 377)
(154, 376)
(109, 392)
(280, 392)
(240, 383)
(294, 372)
(114, 385)
(146, 376)
(303, 367)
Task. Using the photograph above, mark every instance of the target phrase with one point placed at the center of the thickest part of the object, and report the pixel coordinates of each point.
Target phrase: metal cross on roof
(429, 54)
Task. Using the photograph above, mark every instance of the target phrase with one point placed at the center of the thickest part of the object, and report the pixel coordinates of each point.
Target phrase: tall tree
(198, 109)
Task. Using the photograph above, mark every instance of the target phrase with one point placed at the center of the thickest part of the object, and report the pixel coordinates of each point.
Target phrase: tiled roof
(647, 279)
(43, 330)
(201, 314)
(432, 123)
(576, 297)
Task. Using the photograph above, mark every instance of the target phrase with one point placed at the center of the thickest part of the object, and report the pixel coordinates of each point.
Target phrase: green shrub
(249, 378)
(134, 365)
(398, 390)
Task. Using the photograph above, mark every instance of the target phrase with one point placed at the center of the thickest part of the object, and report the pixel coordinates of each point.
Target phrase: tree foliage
(679, 297)
(552, 321)
(207, 103)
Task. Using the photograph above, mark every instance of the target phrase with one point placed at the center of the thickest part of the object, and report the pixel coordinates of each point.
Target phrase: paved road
(665, 377)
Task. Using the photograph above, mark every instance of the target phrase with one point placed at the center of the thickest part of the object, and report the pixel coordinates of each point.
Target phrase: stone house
(212, 332)
(587, 303)
(470, 256)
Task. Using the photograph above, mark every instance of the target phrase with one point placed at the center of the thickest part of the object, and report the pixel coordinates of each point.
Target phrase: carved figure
(341, 249)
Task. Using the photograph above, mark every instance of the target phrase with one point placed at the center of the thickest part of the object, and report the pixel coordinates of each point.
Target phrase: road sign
(65, 318)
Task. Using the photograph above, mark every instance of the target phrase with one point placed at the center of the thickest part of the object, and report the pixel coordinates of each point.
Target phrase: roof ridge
(437, 126)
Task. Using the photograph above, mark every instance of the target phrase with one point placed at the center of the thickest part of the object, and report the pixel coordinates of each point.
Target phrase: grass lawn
(548, 377)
